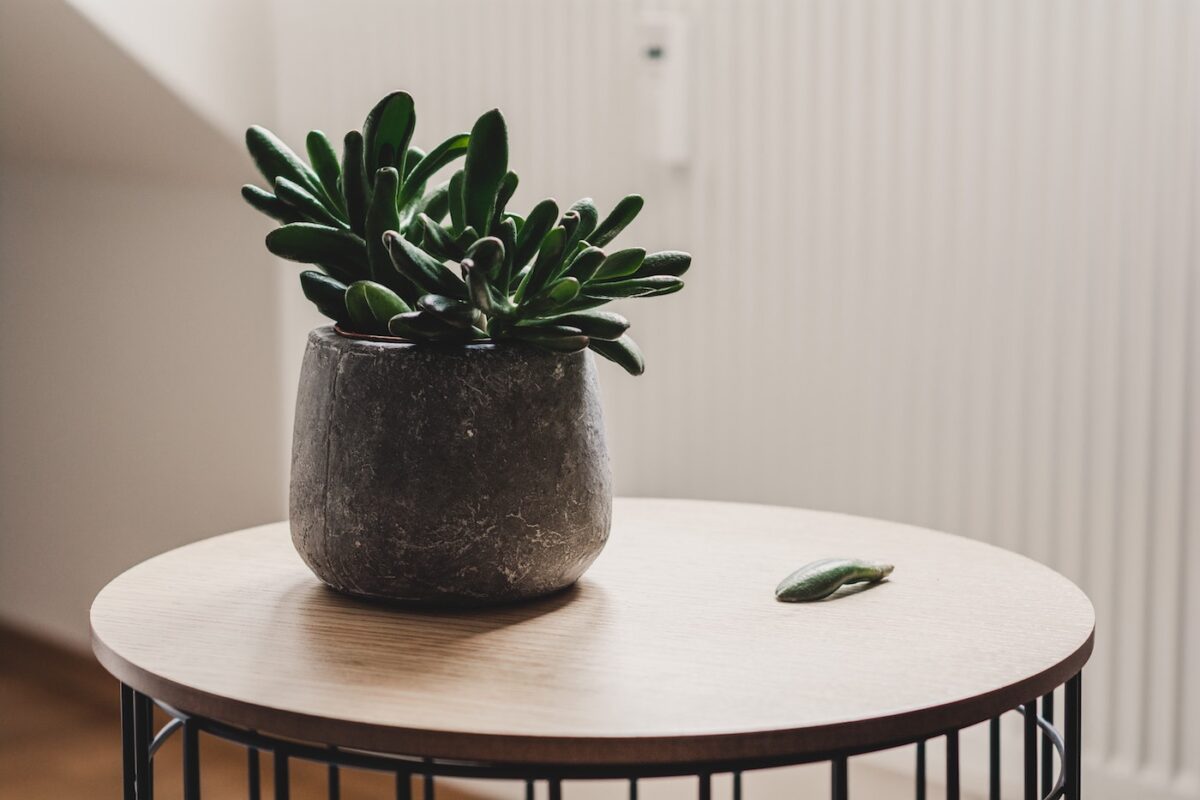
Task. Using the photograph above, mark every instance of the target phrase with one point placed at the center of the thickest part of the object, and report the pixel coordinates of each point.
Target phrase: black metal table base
(140, 742)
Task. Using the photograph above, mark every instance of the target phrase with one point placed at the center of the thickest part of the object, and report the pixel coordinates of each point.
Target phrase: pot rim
(473, 345)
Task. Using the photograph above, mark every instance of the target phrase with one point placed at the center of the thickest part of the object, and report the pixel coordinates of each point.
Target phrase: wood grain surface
(671, 650)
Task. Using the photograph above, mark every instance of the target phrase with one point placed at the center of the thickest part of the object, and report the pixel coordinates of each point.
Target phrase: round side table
(670, 657)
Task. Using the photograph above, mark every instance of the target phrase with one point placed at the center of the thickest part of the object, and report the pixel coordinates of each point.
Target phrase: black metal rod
(737, 785)
(1031, 753)
(840, 783)
(994, 759)
(191, 761)
(128, 744)
(1047, 745)
(555, 789)
(1072, 751)
(952, 783)
(403, 786)
(143, 734)
(920, 770)
(633, 790)
(253, 781)
(334, 777)
(705, 786)
(430, 789)
(282, 781)
(529, 790)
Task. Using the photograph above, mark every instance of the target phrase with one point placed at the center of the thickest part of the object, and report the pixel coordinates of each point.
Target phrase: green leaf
(325, 162)
(342, 254)
(438, 241)
(544, 268)
(436, 204)
(585, 264)
(424, 326)
(623, 351)
(275, 159)
(454, 312)
(382, 217)
(557, 338)
(371, 305)
(326, 293)
(635, 287)
(529, 239)
(620, 264)
(415, 154)
(586, 209)
(508, 186)
(615, 222)
(481, 290)
(487, 254)
(668, 262)
(387, 132)
(594, 324)
(455, 202)
(820, 579)
(507, 234)
(354, 182)
(438, 157)
(429, 274)
(269, 204)
(484, 171)
(306, 203)
(556, 295)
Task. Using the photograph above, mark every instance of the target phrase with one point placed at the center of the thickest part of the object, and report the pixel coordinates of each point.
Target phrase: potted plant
(448, 446)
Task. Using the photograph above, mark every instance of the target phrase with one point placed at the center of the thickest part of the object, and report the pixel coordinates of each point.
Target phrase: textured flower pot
(467, 475)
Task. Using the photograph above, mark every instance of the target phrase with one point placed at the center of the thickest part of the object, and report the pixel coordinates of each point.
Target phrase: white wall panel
(945, 272)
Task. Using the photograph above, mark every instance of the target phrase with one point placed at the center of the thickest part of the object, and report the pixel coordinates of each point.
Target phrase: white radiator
(945, 272)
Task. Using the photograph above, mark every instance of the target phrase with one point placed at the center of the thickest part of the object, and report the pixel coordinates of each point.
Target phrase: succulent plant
(450, 264)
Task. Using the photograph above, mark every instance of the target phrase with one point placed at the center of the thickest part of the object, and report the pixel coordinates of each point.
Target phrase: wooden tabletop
(671, 650)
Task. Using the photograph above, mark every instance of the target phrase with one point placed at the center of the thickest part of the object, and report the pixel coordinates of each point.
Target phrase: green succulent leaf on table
(487, 254)
(437, 241)
(544, 268)
(820, 579)
(484, 171)
(508, 186)
(558, 338)
(386, 134)
(622, 351)
(425, 326)
(584, 266)
(371, 305)
(556, 295)
(326, 293)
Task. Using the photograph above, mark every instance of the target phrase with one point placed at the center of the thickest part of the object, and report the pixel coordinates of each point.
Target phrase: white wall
(945, 273)
(139, 377)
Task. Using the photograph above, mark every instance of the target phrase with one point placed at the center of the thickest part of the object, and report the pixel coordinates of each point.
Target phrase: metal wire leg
(921, 770)
(841, 783)
(191, 761)
(128, 744)
(1047, 745)
(1073, 755)
(143, 735)
(952, 787)
(994, 759)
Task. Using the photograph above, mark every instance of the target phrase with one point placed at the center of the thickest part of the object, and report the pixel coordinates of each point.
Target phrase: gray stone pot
(447, 475)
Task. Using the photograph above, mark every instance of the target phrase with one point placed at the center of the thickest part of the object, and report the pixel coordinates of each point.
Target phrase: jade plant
(450, 264)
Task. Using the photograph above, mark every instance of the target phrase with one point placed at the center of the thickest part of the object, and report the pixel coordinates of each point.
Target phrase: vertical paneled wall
(945, 272)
